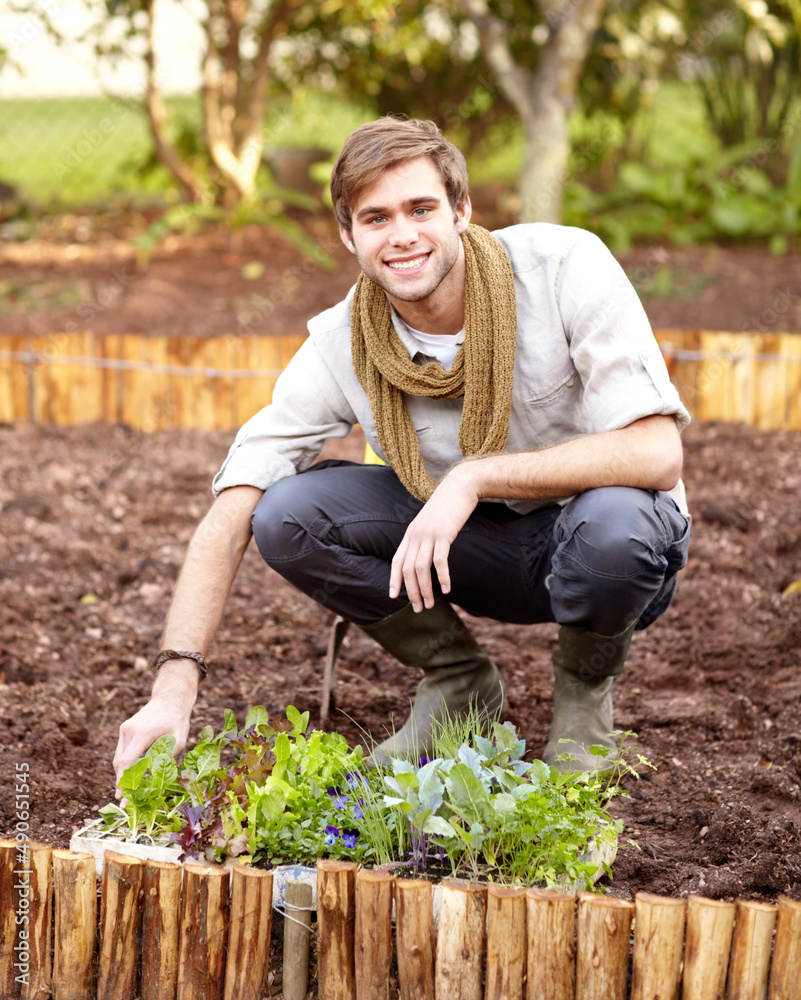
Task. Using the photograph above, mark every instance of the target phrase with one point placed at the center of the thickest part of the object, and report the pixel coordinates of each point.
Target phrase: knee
(281, 519)
(614, 531)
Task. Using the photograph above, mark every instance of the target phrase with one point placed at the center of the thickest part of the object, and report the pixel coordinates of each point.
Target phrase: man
(514, 387)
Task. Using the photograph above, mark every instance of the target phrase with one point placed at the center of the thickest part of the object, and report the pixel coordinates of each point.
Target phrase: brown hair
(377, 146)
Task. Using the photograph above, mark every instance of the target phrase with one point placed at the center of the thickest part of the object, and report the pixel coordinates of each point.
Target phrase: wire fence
(78, 151)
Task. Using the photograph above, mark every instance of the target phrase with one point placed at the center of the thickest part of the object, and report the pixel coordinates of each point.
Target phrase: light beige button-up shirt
(585, 361)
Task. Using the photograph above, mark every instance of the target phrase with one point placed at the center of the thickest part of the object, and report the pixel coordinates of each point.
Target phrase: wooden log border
(215, 932)
(216, 383)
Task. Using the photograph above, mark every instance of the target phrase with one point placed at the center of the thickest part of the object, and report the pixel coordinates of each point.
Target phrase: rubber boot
(458, 674)
(586, 668)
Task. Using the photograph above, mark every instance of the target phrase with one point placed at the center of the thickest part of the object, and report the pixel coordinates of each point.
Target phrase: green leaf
(202, 759)
(163, 745)
(229, 722)
(468, 795)
(257, 716)
(132, 777)
(282, 748)
(504, 804)
(300, 723)
(438, 827)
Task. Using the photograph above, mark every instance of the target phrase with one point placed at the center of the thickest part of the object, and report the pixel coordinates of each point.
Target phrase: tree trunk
(544, 97)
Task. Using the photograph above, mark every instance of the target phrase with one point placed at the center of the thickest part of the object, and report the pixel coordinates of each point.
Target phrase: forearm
(646, 455)
(211, 564)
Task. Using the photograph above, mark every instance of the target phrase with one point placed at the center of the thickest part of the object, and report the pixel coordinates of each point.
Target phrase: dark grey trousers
(608, 557)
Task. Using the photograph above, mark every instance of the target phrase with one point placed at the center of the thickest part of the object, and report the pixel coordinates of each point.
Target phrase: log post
(506, 943)
(161, 921)
(604, 930)
(658, 946)
(249, 933)
(750, 950)
(8, 918)
(707, 943)
(297, 921)
(414, 922)
(204, 918)
(373, 934)
(460, 941)
(785, 971)
(336, 919)
(551, 919)
(74, 926)
(40, 898)
(120, 927)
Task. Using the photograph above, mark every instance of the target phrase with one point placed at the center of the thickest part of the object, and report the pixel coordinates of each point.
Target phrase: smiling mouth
(408, 265)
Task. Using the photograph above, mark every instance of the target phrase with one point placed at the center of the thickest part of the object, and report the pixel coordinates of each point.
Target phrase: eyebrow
(428, 199)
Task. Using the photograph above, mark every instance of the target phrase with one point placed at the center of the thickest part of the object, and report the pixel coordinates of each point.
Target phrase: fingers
(412, 566)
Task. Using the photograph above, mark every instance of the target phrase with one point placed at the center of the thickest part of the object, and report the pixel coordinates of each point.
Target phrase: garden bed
(94, 525)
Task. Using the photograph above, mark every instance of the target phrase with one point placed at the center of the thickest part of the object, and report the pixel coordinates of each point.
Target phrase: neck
(442, 312)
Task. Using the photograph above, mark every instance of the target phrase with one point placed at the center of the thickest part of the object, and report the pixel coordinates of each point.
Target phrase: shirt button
(569, 382)
(646, 356)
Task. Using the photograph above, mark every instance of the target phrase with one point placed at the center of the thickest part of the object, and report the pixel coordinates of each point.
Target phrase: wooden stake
(8, 919)
(373, 934)
(161, 922)
(297, 921)
(40, 898)
(785, 972)
(506, 943)
(604, 930)
(750, 950)
(551, 919)
(414, 923)
(120, 927)
(74, 926)
(706, 949)
(204, 918)
(658, 946)
(460, 941)
(249, 933)
(336, 919)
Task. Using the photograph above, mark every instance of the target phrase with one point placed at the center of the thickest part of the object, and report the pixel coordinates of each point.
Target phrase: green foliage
(278, 791)
(730, 196)
(486, 810)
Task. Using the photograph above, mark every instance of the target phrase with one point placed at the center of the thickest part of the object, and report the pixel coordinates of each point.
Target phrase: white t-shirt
(442, 346)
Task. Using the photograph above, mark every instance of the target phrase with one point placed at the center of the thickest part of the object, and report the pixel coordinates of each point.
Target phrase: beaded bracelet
(181, 654)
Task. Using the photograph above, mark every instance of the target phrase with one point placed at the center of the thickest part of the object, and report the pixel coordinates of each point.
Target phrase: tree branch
(156, 116)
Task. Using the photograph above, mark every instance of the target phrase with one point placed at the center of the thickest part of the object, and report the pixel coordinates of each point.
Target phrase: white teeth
(407, 265)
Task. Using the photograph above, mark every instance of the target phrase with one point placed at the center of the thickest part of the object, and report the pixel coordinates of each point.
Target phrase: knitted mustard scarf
(481, 371)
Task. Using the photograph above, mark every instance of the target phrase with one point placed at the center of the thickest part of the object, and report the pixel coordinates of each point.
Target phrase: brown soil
(94, 520)
(101, 515)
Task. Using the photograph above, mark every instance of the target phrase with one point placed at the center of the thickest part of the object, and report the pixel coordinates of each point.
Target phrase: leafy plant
(277, 791)
(486, 810)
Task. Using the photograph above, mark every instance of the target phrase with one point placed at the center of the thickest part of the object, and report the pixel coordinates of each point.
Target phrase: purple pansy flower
(353, 778)
(331, 834)
(340, 800)
(358, 812)
(349, 838)
(423, 761)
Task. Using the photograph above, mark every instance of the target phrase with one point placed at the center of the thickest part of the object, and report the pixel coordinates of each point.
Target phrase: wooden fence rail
(151, 383)
(209, 940)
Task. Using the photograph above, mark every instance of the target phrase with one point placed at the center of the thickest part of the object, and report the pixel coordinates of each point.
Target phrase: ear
(463, 214)
(346, 238)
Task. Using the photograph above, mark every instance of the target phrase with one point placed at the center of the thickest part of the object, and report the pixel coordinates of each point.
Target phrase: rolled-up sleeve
(308, 407)
(611, 342)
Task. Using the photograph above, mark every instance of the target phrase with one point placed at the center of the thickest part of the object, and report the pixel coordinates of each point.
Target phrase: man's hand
(429, 537)
(166, 714)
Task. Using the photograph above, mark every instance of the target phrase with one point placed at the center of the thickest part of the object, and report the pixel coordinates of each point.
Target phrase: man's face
(404, 233)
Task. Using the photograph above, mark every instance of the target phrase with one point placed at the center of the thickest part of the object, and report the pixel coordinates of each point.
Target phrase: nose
(403, 232)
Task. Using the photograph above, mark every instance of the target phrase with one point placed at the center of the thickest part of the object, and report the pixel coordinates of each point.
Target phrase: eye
(377, 218)
(420, 212)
